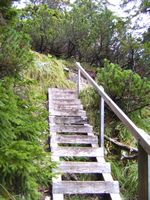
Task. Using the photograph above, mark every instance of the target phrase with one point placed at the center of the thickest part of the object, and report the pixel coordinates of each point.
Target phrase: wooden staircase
(75, 148)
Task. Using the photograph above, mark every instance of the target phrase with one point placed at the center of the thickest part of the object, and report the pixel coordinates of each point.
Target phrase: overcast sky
(114, 2)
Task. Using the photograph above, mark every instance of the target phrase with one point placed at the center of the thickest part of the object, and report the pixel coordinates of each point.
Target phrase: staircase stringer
(53, 145)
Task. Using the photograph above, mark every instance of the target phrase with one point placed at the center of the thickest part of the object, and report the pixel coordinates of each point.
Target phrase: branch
(121, 145)
(127, 157)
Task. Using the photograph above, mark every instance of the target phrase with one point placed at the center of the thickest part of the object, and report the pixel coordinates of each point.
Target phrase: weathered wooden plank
(68, 120)
(71, 128)
(139, 134)
(58, 196)
(84, 167)
(115, 197)
(66, 97)
(143, 173)
(77, 151)
(57, 92)
(63, 107)
(62, 90)
(76, 139)
(107, 177)
(86, 187)
(102, 122)
(71, 101)
(80, 113)
(68, 110)
(79, 82)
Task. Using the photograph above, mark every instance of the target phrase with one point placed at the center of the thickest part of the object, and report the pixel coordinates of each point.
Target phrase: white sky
(23, 3)
(144, 19)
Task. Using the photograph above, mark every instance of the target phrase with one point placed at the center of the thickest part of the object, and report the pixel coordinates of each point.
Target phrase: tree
(44, 26)
(52, 4)
(6, 11)
(14, 52)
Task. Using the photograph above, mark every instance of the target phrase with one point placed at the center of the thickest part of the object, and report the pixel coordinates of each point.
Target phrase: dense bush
(129, 91)
(15, 52)
(132, 94)
(125, 87)
(24, 164)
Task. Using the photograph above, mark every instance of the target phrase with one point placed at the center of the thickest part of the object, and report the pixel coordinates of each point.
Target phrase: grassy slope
(48, 71)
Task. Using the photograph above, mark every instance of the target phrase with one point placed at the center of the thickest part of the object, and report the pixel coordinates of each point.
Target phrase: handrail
(142, 137)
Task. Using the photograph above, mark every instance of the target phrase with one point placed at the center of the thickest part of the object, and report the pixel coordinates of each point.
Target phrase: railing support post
(78, 82)
(102, 123)
(144, 174)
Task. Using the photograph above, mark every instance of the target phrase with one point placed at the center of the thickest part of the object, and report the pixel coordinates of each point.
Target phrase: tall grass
(47, 72)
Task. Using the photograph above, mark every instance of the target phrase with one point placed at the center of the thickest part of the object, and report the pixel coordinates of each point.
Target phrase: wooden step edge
(71, 103)
(76, 139)
(69, 110)
(84, 167)
(77, 152)
(71, 128)
(67, 114)
(86, 187)
(57, 196)
(115, 197)
(62, 100)
(67, 120)
(61, 90)
(65, 107)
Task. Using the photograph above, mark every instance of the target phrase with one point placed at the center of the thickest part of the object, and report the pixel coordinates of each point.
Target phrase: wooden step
(76, 139)
(67, 116)
(70, 103)
(62, 101)
(64, 95)
(78, 151)
(68, 120)
(68, 113)
(71, 128)
(86, 187)
(70, 110)
(64, 92)
(66, 107)
(84, 167)
(58, 90)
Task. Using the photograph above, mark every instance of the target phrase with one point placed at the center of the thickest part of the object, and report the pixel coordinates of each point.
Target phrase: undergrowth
(48, 72)
(25, 165)
(134, 103)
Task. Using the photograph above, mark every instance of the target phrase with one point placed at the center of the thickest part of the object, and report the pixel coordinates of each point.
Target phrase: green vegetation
(89, 32)
(24, 79)
(132, 94)
(48, 72)
(25, 166)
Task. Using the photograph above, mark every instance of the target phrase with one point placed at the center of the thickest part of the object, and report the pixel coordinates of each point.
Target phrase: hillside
(39, 45)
